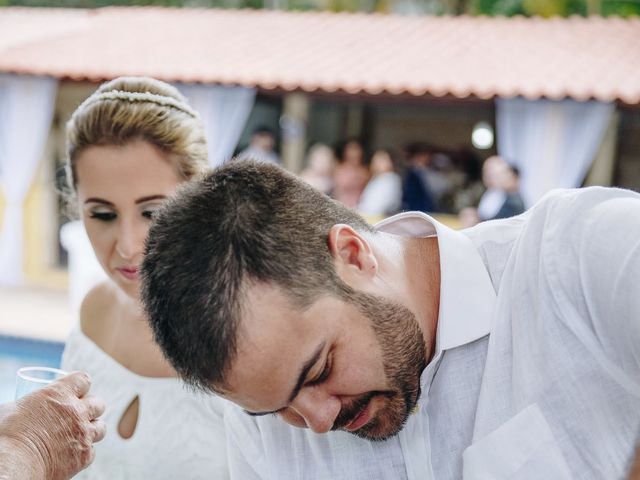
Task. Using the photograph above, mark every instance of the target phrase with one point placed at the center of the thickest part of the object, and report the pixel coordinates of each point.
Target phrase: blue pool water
(21, 352)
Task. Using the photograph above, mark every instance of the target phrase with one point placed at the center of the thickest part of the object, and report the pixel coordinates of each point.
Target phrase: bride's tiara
(141, 97)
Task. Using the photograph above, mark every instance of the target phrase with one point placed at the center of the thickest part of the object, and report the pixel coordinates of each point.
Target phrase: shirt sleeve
(608, 270)
(244, 453)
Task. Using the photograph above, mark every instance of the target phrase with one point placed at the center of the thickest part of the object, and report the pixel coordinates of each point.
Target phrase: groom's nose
(318, 409)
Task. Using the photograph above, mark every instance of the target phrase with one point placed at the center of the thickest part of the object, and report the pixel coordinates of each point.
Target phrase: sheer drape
(552, 142)
(26, 110)
(224, 111)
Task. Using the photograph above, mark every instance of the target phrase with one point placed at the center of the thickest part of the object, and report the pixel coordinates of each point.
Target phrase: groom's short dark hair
(244, 222)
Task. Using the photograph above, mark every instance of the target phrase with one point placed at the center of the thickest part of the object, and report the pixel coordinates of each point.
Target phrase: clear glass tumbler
(30, 379)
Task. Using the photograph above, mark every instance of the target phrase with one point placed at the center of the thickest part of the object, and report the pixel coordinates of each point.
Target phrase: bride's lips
(130, 273)
(360, 420)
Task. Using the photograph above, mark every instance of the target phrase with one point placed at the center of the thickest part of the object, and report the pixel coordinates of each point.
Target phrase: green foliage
(628, 8)
(549, 8)
(497, 7)
(90, 3)
(303, 5)
(543, 8)
(577, 7)
(343, 5)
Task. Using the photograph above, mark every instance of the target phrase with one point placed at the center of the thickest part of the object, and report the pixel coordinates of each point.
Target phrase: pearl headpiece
(141, 97)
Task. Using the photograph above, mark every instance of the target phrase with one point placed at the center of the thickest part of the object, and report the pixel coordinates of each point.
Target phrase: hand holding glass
(30, 379)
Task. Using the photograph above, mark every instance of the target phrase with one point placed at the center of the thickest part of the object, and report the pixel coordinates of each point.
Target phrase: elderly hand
(49, 434)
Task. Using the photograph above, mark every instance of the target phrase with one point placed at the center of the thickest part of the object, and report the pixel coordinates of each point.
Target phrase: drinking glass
(30, 379)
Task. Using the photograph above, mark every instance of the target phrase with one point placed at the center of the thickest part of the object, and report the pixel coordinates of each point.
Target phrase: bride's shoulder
(96, 309)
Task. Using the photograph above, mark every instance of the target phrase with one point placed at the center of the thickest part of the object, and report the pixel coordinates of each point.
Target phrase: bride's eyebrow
(149, 198)
(98, 200)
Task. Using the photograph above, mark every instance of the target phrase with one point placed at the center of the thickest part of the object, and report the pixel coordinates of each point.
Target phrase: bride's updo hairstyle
(137, 108)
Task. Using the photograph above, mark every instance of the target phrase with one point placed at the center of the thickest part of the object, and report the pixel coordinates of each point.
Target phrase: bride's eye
(103, 216)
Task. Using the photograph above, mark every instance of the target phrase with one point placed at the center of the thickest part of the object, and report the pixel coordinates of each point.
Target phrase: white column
(294, 123)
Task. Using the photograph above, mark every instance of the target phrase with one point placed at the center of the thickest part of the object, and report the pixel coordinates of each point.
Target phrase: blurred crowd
(417, 178)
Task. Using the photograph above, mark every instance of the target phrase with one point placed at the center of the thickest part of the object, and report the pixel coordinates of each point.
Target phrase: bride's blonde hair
(137, 108)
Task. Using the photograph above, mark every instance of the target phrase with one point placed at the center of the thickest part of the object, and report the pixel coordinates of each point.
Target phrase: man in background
(261, 147)
(501, 198)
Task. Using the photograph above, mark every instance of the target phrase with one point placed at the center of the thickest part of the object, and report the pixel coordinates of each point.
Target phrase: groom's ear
(353, 257)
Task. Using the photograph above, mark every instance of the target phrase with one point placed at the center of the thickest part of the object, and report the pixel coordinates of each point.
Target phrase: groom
(511, 350)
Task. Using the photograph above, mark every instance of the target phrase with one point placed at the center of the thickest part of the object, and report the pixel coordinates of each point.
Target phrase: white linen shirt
(536, 372)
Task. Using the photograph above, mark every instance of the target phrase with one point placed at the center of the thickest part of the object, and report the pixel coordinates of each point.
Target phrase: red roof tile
(483, 57)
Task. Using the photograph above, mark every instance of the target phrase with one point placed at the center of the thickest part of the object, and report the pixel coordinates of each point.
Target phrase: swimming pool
(18, 352)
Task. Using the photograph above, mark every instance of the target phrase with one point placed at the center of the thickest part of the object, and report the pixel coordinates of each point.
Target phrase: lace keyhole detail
(129, 420)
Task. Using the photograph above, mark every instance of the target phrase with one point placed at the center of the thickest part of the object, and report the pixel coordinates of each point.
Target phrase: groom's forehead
(275, 353)
(268, 319)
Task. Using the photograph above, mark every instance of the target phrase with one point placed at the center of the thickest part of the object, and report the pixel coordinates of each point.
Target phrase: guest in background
(510, 183)
(321, 164)
(494, 195)
(471, 187)
(351, 175)
(417, 194)
(501, 199)
(383, 194)
(468, 217)
(261, 147)
(443, 178)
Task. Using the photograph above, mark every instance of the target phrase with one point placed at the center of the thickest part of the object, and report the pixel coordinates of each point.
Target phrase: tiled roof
(482, 57)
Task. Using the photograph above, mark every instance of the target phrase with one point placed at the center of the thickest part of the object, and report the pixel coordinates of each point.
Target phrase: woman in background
(351, 175)
(321, 164)
(383, 194)
(130, 145)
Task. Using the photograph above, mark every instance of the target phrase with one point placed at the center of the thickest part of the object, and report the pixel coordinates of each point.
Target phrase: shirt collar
(467, 295)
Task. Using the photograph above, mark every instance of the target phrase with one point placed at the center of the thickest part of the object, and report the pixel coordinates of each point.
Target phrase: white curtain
(26, 111)
(551, 142)
(224, 112)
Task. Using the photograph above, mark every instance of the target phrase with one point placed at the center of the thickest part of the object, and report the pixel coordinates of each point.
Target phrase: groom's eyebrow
(304, 371)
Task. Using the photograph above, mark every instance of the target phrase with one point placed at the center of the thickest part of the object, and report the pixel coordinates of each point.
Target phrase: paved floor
(35, 313)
